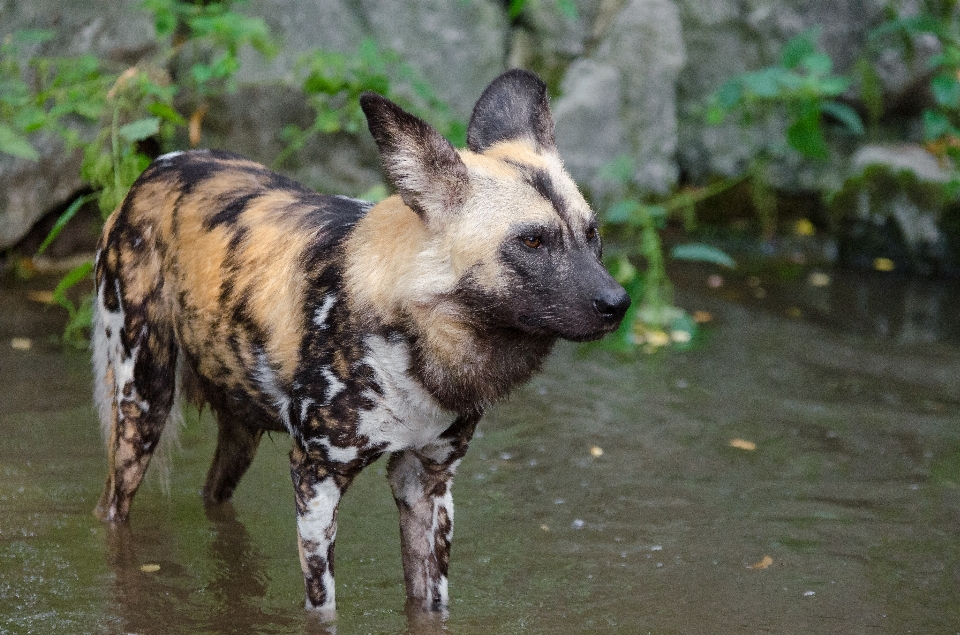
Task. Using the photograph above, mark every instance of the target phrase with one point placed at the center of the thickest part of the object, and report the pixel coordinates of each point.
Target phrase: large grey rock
(621, 99)
(457, 47)
(116, 31)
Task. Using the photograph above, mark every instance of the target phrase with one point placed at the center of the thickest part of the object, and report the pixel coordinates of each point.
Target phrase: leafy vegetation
(941, 119)
(795, 96)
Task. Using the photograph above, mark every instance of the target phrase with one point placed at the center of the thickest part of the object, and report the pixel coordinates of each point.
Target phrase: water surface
(604, 497)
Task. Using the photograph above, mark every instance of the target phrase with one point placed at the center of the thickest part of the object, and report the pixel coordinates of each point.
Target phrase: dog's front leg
(318, 491)
(421, 488)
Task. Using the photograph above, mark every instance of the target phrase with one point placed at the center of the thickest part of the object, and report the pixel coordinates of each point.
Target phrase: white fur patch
(334, 386)
(170, 155)
(316, 520)
(267, 379)
(320, 317)
(406, 416)
(316, 526)
(334, 452)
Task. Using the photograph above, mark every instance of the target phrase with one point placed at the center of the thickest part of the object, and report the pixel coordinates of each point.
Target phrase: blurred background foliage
(121, 116)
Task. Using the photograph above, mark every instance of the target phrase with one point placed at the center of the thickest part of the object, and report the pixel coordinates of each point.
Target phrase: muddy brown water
(603, 497)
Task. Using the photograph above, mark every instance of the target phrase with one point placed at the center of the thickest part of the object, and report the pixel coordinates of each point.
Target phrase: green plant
(941, 120)
(801, 88)
(110, 113)
(333, 82)
(54, 95)
(797, 94)
(653, 319)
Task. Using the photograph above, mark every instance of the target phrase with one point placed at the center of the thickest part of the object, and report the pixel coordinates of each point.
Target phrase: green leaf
(568, 8)
(946, 90)
(805, 135)
(13, 143)
(63, 219)
(764, 83)
(623, 212)
(818, 64)
(167, 113)
(140, 129)
(935, 124)
(515, 8)
(845, 115)
(701, 252)
(799, 48)
(74, 277)
(728, 96)
(833, 85)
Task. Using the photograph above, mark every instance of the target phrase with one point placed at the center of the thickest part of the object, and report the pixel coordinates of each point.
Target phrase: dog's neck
(396, 281)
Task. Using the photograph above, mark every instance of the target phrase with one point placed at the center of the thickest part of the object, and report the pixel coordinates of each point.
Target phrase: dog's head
(521, 243)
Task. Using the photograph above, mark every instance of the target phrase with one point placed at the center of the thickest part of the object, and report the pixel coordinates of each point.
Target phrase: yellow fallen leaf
(43, 297)
(21, 343)
(795, 313)
(819, 279)
(544, 528)
(702, 317)
(804, 227)
(743, 444)
(657, 338)
(150, 568)
(883, 264)
(596, 451)
(763, 564)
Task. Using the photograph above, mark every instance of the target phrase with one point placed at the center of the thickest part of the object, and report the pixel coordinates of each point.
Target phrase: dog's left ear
(424, 167)
(514, 107)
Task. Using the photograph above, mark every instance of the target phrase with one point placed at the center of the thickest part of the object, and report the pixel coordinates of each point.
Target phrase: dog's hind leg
(236, 446)
(135, 384)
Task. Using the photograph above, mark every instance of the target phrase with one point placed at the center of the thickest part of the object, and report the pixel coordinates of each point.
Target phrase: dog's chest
(403, 413)
(369, 403)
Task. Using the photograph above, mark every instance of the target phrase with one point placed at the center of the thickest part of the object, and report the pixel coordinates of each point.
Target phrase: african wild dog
(359, 329)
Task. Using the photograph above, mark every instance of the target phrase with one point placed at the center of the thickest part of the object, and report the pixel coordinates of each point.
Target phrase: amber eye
(591, 232)
(533, 242)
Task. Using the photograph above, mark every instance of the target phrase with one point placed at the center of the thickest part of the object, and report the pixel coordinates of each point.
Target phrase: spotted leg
(318, 491)
(421, 488)
(135, 364)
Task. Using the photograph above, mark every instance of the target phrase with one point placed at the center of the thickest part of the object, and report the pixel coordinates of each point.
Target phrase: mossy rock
(906, 215)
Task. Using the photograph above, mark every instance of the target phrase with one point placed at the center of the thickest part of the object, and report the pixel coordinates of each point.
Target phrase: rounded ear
(513, 107)
(424, 167)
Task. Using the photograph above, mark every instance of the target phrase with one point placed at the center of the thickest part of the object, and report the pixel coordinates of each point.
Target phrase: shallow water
(852, 492)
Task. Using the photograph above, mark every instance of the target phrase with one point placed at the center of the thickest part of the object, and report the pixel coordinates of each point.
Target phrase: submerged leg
(236, 446)
(421, 488)
(318, 491)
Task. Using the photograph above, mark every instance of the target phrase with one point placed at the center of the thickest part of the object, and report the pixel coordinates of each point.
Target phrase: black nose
(612, 304)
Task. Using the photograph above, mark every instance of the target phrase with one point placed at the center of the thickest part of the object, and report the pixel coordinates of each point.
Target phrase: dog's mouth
(585, 331)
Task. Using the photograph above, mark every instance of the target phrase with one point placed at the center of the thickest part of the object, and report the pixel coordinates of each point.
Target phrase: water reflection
(906, 309)
(223, 592)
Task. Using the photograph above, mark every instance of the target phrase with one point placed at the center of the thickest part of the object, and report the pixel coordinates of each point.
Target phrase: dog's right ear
(424, 167)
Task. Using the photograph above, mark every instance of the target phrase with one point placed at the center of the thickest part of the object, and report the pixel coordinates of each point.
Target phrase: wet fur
(359, 329)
